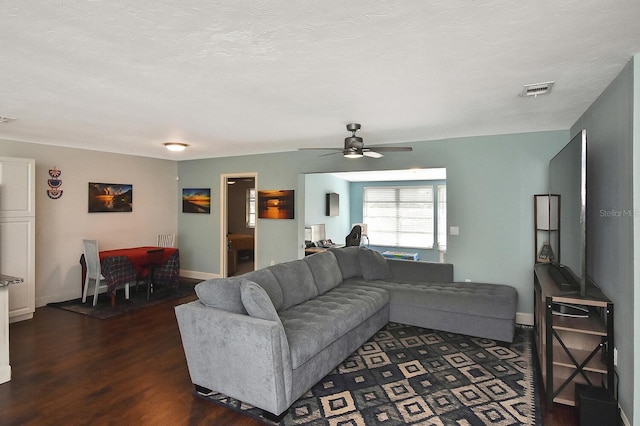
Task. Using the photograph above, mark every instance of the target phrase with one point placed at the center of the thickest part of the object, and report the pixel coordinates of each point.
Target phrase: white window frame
(422, 230)
(441, 216)
(250, 208)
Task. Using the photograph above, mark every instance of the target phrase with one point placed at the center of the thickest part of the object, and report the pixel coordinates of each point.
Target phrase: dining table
(128, 265)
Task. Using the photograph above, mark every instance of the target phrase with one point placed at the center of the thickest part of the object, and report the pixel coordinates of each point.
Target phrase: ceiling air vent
(536, 89)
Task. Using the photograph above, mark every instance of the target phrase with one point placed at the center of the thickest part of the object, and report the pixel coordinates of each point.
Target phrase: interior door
(239, 246)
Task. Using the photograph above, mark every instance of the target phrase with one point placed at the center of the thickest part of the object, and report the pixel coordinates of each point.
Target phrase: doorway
(239, 248)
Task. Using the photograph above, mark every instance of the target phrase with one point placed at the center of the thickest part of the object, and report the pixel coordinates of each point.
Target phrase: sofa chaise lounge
(266, 337)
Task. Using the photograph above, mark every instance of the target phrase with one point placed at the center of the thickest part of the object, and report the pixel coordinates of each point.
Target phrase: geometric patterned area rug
(407, 375)
(137, 300)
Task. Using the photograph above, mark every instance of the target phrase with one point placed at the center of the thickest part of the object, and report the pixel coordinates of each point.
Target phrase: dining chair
(166, 240)
(154, 261)
(94, 271)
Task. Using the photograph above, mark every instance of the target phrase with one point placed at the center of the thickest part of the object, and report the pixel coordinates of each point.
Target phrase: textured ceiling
(255, 76)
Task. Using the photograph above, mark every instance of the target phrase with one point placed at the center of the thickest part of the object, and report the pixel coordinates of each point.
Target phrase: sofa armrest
(409, 270)
(237, 355)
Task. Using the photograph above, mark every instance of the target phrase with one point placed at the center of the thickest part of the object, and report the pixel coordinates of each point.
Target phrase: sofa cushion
(265, 279)
(315, 324)
(409, 270)
(257, 302)
(484, 300)
(325, 270)
(296, 282)
(374, 266)
(221, 293)
(349, 261)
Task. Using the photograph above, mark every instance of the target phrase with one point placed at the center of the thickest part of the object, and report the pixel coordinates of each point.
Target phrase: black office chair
(353, 239)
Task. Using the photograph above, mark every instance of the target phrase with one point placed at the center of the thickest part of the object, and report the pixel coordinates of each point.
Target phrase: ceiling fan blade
(317, 149)
(371, 154)
(331, 153)
(392, 148)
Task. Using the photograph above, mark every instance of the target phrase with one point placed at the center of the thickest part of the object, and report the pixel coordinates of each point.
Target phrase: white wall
(62, 224)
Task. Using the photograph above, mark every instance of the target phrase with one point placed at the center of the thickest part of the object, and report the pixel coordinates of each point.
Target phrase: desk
(313, 250)
(122, 266)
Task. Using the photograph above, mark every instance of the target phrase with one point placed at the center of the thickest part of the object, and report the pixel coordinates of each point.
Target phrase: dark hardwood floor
(69, 369)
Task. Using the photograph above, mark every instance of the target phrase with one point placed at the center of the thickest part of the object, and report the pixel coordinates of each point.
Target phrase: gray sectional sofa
(266, 337)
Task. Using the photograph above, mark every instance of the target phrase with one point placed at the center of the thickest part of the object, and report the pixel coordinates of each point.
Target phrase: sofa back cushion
(431, 272)
(349, 261)
(374, 265)
(221, 293)
(265, 279)
(296, 282)
(257, 302)
(325, 270)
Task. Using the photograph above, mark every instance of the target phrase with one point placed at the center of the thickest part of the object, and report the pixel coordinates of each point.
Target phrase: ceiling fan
(354, 146)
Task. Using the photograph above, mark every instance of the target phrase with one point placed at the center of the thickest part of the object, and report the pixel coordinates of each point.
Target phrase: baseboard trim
(5, 373)
(524, 318)
(625, 420)
(198, 275)
(70, 295)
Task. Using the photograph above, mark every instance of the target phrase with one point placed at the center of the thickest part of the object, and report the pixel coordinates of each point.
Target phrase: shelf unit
(547, 225)
(571, 350)
(17, 233)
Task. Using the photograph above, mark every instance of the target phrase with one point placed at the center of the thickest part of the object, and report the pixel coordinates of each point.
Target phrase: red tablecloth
(138, 256)
(126, 265)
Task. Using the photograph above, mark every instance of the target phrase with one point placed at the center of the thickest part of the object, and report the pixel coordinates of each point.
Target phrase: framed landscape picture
(275, 204)
(196, 200)
(110, 197)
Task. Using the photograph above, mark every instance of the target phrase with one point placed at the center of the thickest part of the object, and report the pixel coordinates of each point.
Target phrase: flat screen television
(568, 179)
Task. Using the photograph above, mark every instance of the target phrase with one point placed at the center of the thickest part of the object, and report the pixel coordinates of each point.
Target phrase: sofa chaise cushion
(483, 300)
(315, 324)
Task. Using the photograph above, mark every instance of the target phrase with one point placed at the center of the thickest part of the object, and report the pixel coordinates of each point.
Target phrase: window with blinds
(442, 217)
(250, 208)
(403, 216)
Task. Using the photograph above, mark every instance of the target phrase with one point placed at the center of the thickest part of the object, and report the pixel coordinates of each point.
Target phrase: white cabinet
(17, 233)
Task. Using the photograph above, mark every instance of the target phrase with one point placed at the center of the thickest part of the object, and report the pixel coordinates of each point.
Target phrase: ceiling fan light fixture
(175, 146)
(352, 153)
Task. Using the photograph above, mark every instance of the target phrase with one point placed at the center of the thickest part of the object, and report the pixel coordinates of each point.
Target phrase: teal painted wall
(316, 188)
(490, 185)
(612, 146)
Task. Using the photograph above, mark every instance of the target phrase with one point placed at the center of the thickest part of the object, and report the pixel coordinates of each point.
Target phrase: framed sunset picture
(196, 200)
(110, 197)
(275, 204)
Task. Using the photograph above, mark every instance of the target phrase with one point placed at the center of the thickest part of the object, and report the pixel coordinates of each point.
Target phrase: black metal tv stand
(571, 349)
